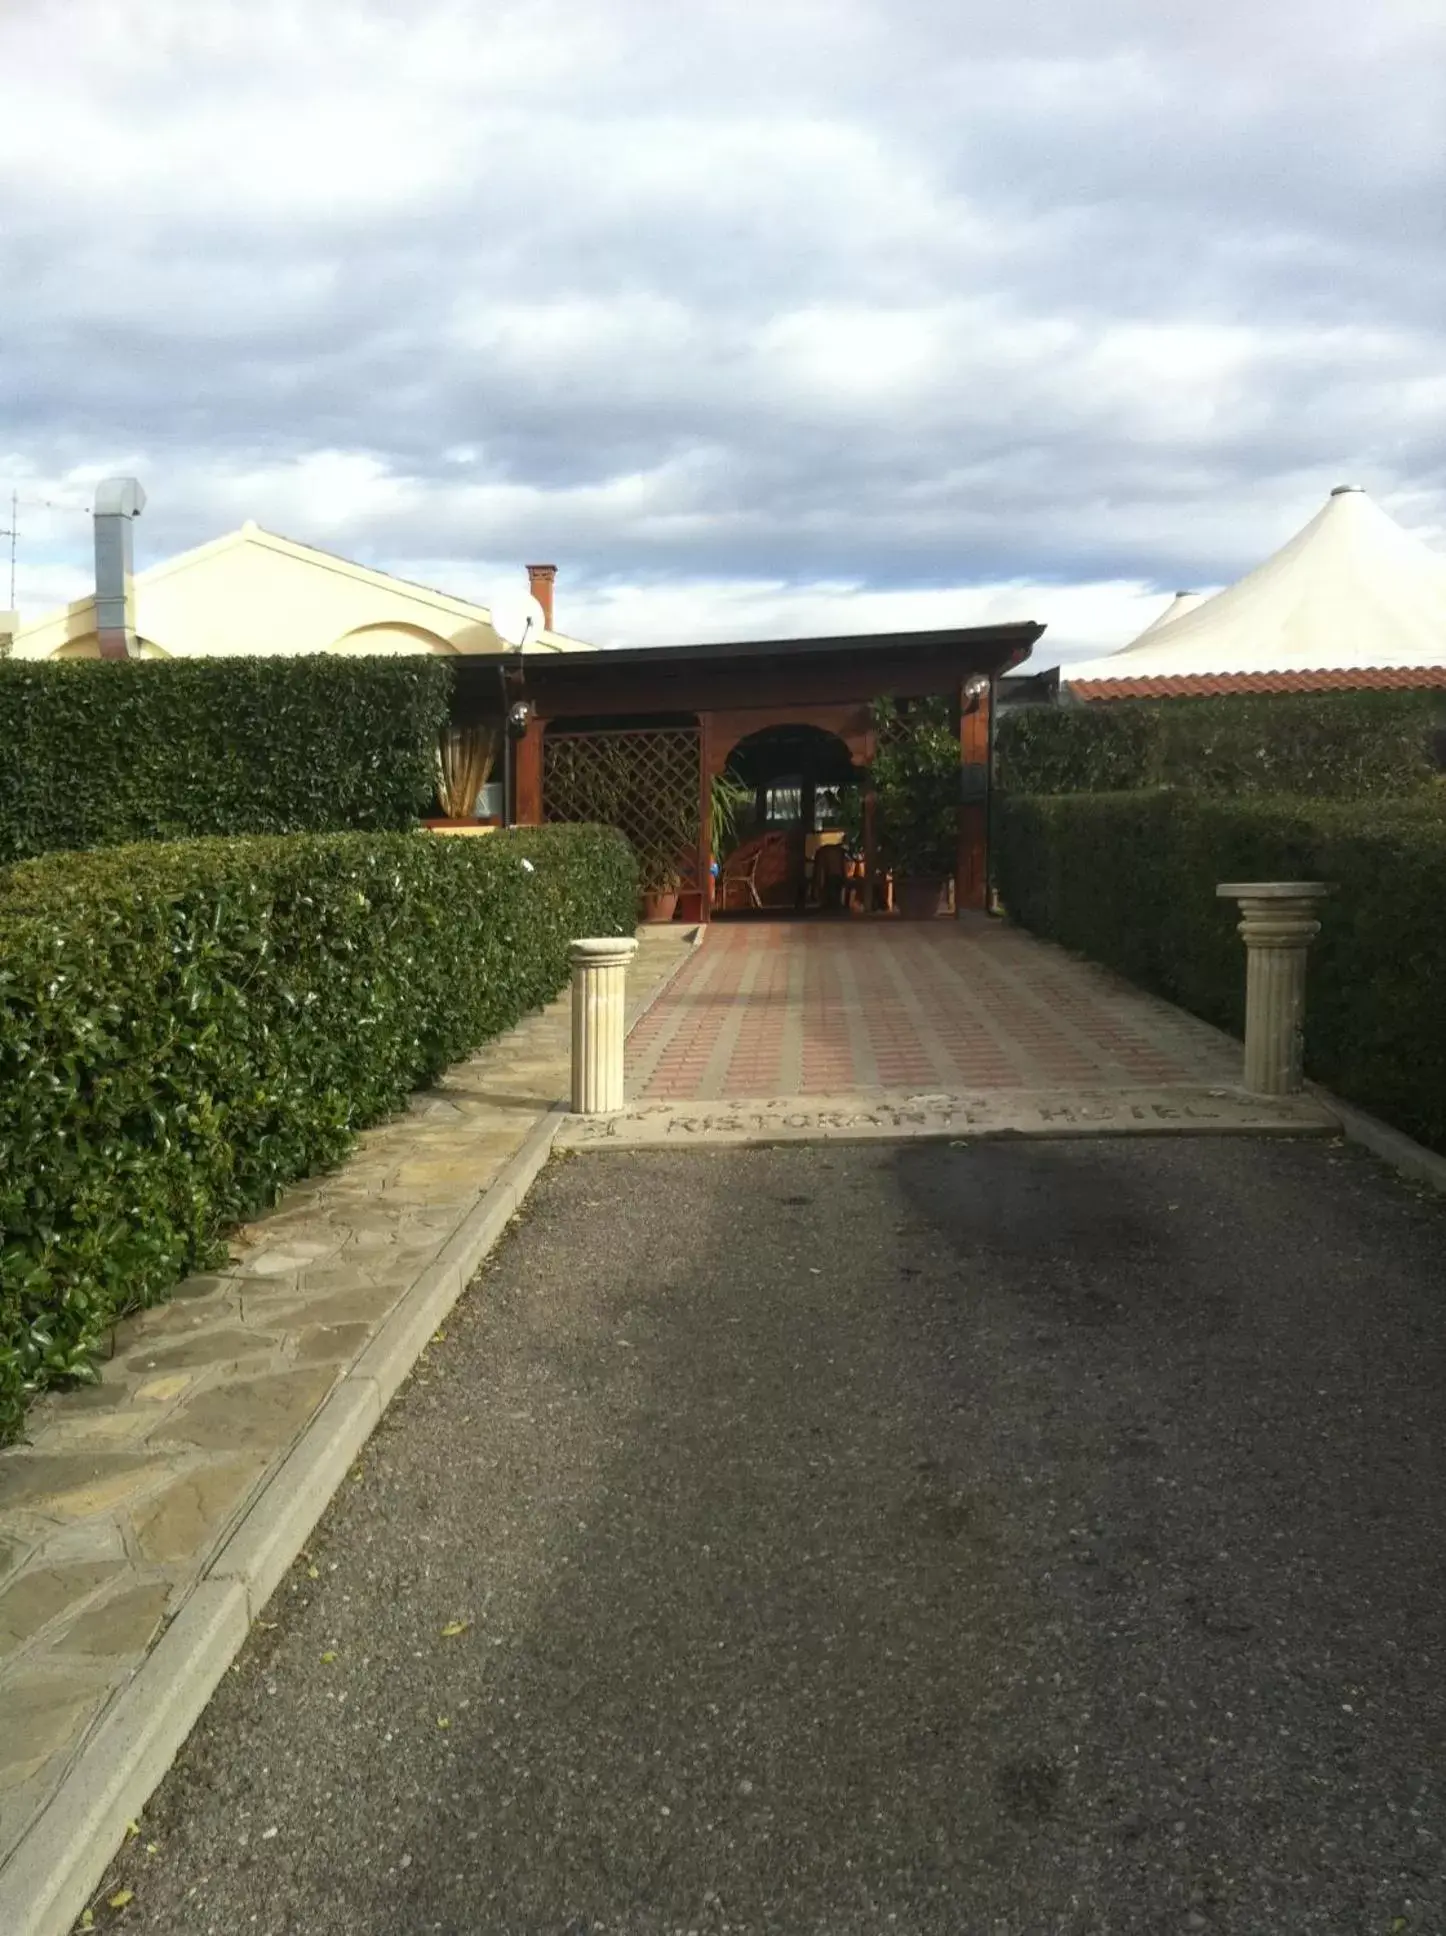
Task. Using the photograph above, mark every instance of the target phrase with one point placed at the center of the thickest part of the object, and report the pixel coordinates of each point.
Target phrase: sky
(757, 319)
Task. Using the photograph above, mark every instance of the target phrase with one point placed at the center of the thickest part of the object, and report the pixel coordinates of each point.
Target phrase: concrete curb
(49, 1877)
(47, 1881)
(1392, 1146)
(53, 1869)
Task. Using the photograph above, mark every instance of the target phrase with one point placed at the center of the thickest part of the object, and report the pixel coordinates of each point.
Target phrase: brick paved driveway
(791, 1008)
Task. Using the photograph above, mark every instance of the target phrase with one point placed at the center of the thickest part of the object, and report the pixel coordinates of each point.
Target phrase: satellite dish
(517, 618)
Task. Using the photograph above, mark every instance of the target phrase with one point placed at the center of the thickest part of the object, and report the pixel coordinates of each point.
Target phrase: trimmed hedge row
(185, 1028)
(95, 754)
(1129, 879)
(1335, 745)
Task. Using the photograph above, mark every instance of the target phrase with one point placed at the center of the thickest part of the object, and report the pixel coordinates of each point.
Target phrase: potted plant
(658, 886)
(915, 778)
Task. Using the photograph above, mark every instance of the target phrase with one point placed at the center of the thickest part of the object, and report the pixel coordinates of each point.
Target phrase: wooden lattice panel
(644, 782)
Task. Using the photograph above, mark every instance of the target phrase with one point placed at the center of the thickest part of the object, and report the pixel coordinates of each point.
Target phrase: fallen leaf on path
(121, 1898)
(329, 1656)
(443, 1722)
(455, 1627)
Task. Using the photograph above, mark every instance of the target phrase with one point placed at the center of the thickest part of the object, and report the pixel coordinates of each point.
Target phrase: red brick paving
(769, 1008)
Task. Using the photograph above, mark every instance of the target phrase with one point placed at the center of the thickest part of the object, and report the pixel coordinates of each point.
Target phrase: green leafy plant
(730, 803)
(187, 1027)
(1337, 745)
(94, 754)
(1129, 879)
(915, 777)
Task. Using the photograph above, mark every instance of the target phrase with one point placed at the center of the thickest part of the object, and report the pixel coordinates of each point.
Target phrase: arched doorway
(793, 817)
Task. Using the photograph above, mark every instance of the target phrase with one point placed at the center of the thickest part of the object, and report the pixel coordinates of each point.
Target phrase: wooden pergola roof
(686, 678)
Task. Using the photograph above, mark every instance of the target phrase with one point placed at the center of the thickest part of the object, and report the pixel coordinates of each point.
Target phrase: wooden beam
(705, 818)
(527, 774)
(971, 874)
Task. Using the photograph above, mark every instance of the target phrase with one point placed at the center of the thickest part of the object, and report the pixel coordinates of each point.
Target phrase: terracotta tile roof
(1211, 685)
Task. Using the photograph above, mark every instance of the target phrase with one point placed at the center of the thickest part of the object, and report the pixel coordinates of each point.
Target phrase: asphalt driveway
(1018, 1538)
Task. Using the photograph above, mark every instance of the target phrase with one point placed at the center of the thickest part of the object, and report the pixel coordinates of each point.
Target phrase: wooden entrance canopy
(738, 689)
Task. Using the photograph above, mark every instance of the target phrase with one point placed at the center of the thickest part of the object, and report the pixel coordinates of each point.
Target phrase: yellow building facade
(255, 593)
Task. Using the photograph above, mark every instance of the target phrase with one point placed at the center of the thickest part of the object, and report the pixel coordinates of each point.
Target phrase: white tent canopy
(1351, 594)
(1181, 603)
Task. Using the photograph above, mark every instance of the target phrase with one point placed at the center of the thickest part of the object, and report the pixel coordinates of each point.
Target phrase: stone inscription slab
(999, 1112)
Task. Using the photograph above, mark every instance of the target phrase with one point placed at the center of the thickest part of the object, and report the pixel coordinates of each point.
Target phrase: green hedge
(1336, 745)
(1130, 880)
(95, 754)
(184, 1028)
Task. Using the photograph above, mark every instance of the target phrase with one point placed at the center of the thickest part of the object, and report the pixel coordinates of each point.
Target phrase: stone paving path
(799, 1008)
(124, 1491)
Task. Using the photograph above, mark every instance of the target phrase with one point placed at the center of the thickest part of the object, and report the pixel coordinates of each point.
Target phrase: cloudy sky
(758, 316)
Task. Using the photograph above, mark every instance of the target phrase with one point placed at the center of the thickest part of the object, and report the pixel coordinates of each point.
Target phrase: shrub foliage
(186, 1027)
(1130, 880)
(1337, 745)
(94, 754)
(915, 777)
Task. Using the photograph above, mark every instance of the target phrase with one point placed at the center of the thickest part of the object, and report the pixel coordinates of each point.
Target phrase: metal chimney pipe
(117, 501)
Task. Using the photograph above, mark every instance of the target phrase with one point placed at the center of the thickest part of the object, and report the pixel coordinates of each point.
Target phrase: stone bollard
(1277, 926)
(599, 1003)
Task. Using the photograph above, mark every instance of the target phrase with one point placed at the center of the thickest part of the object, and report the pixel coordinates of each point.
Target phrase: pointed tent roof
(1351, 600)
(1181, 603)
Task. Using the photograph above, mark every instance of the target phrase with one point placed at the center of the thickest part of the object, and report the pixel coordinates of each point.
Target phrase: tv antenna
(12, 532)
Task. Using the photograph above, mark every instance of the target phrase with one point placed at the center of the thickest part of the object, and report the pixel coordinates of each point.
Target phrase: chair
(830, 867)
(740, 871)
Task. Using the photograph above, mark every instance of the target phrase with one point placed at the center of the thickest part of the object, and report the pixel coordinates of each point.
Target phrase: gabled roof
(252, 534)
(1351, 599)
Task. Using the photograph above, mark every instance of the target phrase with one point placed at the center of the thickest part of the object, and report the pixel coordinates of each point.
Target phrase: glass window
(784, 804)
(828, 808)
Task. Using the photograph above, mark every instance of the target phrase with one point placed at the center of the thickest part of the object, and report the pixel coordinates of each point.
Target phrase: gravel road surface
(1015, 1538)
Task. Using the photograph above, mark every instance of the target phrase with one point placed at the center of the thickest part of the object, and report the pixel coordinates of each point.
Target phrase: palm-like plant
(730, 799)
(465, 758)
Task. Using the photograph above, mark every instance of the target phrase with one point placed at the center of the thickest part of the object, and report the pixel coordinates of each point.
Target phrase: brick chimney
(539, 583)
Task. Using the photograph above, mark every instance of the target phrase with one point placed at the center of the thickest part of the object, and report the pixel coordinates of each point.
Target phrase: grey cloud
(1167, 277)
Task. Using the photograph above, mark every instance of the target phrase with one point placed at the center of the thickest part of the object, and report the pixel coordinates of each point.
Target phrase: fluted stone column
(599, 1003)
(1277, 926)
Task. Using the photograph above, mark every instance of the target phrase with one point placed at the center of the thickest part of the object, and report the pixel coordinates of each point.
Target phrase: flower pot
(690, 905)
(659, 903)
(922, 897)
